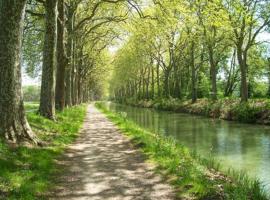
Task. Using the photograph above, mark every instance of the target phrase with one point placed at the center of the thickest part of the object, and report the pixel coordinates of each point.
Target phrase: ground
(103, 164)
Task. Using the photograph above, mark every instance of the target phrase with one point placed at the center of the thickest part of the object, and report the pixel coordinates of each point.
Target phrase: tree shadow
(103, 164)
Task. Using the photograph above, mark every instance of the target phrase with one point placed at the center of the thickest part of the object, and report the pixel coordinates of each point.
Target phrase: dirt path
(103, 165)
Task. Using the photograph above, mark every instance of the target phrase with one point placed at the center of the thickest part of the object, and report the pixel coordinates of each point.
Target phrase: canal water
(238, 146)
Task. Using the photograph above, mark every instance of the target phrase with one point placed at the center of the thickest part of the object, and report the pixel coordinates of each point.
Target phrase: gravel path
(102, 165)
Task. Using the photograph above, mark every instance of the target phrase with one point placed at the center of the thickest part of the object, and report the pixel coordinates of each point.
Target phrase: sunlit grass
(27, 172)
(193, 176)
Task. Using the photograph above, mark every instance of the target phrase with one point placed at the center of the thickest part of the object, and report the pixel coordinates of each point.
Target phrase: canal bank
(256, 111)
(191, 174)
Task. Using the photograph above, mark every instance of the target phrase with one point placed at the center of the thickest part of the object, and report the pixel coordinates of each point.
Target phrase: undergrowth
(26, 172)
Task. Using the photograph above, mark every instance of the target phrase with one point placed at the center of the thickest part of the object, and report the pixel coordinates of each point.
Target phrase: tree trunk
(47, 98)
(13, 125)
(153, 81)
(148, 83)
(61, 59)
(243, 69)
(213, 74)
(74, 76)
(268, 93)
(193, 74)
(70, 20)
(158, 80)
(166, 83)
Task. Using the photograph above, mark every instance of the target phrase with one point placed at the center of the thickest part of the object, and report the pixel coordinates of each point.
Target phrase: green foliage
(31, 93)
(27, 172)
(193, 176)
(181, 45)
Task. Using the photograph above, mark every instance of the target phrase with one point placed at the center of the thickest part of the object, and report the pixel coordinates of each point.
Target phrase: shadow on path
(102, 165)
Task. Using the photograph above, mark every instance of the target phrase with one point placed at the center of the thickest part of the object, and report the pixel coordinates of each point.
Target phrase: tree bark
(47, 98)
(70, 27)
(61, 59)
(243, 69)
(213, 73)
(13, 125)
(158, 80)
(193, 74)
(148, 83)
(268, 92)
(166, 83)
(74, 93)
(153, 81)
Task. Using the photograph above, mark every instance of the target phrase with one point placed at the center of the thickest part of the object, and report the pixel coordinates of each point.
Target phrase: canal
(239, 146)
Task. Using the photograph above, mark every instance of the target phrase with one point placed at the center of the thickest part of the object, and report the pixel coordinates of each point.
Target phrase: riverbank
(194, 177)
(27, 172)
(254, 111)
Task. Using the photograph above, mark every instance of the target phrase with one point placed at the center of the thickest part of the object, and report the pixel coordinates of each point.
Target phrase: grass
(193, 176)
(27, 172)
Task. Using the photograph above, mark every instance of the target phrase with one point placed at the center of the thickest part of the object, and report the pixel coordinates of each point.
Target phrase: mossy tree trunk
(61, 59)
(47, 98)
(13, 122)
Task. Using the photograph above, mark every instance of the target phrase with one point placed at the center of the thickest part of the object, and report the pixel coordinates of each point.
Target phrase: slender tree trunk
(70, 20)
(153, 81)
(166, 83)
(140, 86)
(158, 80)
(268, 93)
(176, 88)
(74, 75)
(243, 70)
(79, 76)
(213, 74)
(13, 122)
(61, 59)
(193, 74)
(148, 83)
(47, 98)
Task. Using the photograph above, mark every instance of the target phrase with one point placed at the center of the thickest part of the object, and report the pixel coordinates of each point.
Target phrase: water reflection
(241, 146)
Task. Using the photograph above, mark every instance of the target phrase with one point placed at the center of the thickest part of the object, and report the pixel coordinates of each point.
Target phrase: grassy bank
(26, 172)
(254, 111)
(194, 177)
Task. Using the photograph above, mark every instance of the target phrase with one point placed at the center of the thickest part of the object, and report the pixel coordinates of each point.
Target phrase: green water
(238, 146)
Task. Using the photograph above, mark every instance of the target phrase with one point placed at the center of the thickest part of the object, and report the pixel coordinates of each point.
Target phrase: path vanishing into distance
(103, 165)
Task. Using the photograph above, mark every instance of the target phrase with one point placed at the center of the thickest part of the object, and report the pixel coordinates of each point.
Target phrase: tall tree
(61, 58)
(14, 125)
(47, 97)
(248, 19)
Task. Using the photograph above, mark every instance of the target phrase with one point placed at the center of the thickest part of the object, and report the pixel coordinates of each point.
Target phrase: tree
(14, 125)
(47, 97)
(248, 19)
(61, 58)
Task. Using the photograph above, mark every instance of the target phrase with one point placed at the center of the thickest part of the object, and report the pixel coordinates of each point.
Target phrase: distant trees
(69, 29)
(197, 48)
(31, 93)
(64, 41)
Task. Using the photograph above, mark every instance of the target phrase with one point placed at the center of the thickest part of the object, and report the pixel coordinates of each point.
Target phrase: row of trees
(64, 41)
(194, 48)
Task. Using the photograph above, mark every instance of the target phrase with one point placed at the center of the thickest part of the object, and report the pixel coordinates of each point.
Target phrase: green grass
(27, 172)
(192, 175)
